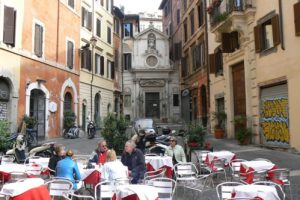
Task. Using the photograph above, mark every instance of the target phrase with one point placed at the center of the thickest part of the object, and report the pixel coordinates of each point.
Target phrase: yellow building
(97, 62)
(254, 57)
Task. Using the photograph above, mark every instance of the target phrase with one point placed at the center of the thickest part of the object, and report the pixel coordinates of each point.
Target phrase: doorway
(152, 105)
(37, 110)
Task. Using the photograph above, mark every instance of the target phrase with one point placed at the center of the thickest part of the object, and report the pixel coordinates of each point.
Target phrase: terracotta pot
(193, 144)
(219, 133)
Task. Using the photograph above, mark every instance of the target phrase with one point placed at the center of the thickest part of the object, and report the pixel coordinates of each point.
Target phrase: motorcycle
(71, 133)
(46, 150)
(91, 130)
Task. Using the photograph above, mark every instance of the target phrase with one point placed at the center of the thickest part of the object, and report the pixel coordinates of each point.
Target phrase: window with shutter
(102, 66)
(127, 61)
(200, 14)
(71, 3)
(88, 60)
(212, 64)
(116, 58)
(226, 43)
(9, 26)
(275, 30)
(297, 18)
(192, 22)
(70, 54)
(97, 63)
(83, 17)
(89, 21)
(108, 67)
(38, 40)
(257, 38)
(107, 5)
(112, 70)
(218, 61)
(98, 27)
(108, 35)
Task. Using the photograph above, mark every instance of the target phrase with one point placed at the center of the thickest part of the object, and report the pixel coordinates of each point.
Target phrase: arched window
(68, 102)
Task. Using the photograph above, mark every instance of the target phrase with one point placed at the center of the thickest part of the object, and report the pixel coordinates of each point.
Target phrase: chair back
(235, 165)
(104, 189)
(218, 164)
(58, 186)
(71, 196)
(187, 169)
(164, 186)
(7, 159)
(224, 190)
(16, 176)
(279, 189)
(280, 175)
(154, 174)
(121, 181)
(151, 154)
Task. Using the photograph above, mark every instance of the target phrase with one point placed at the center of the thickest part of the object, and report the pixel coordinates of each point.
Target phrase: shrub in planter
(69, 119)
(195, 134)
(30, 121)
(4, 135)
(242, 133)
(219, 117)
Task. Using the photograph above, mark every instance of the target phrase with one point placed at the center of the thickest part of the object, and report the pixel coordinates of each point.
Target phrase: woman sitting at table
(68, 168)
(59, 155)
(113, 168)
(175, 151)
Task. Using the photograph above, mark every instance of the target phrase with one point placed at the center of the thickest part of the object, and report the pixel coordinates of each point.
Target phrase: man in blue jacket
(68, 168)
(134, 159)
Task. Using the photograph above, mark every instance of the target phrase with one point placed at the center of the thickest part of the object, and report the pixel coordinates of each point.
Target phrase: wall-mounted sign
(52, 106)
(152, 83)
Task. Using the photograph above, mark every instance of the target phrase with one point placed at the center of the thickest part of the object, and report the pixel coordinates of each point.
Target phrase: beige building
(97, 62)
(254, 67)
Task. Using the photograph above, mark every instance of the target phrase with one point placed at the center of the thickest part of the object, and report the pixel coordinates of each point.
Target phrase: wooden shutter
(88, 60)
(102, 65)
(257, 38)
(98, 28)
(212, 63)
(234, 40)
(109, 35)
(276, 31)
(38, 40)
(117, 58)
(9, 25)
(82, 16)
(90, 21)
(70, 54)
(129, 61)
(297, 18)
(112, 70)
(131, 30)
(226, 43)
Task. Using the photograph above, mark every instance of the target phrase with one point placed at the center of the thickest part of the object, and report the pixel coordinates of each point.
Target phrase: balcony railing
(221, 12)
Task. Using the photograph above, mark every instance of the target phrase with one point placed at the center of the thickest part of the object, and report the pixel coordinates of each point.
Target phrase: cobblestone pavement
(282, 159)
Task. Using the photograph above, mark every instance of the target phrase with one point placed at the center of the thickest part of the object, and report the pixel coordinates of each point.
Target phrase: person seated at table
(60, 153)
(175, 151)
(99, 155)
(134, 159)
(113, 168)
(68, 168)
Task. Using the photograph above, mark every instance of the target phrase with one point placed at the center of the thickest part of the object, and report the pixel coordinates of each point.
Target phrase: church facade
(151, 83)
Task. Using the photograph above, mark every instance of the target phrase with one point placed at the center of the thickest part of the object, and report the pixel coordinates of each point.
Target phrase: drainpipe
(208, 61)
(57, 29)
(92, 62)
(281, 24)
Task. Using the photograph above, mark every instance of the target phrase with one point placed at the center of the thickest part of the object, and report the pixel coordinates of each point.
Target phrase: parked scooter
(18, 150)
(71, 133)
(91, 130)
(45, 150)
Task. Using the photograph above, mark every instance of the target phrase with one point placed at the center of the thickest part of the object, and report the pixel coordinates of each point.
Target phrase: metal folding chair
(165, 187)
(224, 190)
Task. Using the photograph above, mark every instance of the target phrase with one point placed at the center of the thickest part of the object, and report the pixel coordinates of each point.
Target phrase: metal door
(38, 110)
(152, 105)
(274, 116)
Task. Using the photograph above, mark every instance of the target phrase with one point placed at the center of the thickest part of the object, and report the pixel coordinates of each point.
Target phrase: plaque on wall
(152, 83)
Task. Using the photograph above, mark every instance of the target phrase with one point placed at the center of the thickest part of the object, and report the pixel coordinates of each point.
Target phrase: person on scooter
(68, 168)
(99, 155)
(60, 153)
(175, 151)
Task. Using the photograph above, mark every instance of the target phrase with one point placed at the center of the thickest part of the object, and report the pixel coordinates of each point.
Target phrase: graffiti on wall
(274, 120)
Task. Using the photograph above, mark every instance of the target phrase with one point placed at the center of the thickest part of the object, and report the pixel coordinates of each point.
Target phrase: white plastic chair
(279, 189)
(201, 157)
(104, 189)
(224, 190)
(71, 196)
(57, 187)
(218, 167)
(185, 171)
(154, 174)
(235, 166)
(200, 185)
(282, 177)
(165, 187)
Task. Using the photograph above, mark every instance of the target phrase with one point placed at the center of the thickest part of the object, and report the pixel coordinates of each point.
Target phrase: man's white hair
(131, 143)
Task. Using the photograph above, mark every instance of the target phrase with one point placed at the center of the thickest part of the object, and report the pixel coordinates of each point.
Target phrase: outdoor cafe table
(255, 165)
(227, 155)
(7, 169)
(31, 188)
(136, 192)
(262, 192)
(154, 163)
(90, 176)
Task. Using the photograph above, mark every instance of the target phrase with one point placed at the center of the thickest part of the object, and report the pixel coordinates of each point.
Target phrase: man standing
(134, 159)
(99, 155)
(175, 151)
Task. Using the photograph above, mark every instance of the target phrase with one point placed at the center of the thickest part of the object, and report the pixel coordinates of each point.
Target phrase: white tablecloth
(259, 165)
(159, 161)
(252, 191)
(227, 155)
(41, 161)
(17, 188)
(8, 168)
(84, 173)
(144, 192)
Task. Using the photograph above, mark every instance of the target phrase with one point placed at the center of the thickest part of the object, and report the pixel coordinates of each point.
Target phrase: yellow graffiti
(276, 131)
(275, 107)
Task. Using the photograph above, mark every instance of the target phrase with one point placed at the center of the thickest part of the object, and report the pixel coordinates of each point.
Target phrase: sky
(136, 6)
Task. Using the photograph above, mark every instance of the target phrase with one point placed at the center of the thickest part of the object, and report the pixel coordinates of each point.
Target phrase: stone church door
(152, 105)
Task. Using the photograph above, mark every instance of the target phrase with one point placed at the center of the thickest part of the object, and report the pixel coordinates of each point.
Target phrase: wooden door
(239, 95)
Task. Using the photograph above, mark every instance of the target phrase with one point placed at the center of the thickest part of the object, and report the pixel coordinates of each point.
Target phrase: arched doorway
(37, 109)
(97, 118)
(203, 105)
(68, 102)
(4, 99)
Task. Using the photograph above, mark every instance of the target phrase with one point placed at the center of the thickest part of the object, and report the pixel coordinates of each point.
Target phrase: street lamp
(93, 42)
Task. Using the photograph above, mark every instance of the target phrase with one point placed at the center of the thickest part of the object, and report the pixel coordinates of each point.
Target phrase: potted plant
(69, 119)
(30, 122)
(242, 133)
(195, 135)
(219, 117)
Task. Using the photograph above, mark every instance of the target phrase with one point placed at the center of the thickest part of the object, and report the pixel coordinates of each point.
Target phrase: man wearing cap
(68, 168)
(175, 151)
(99, 155)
